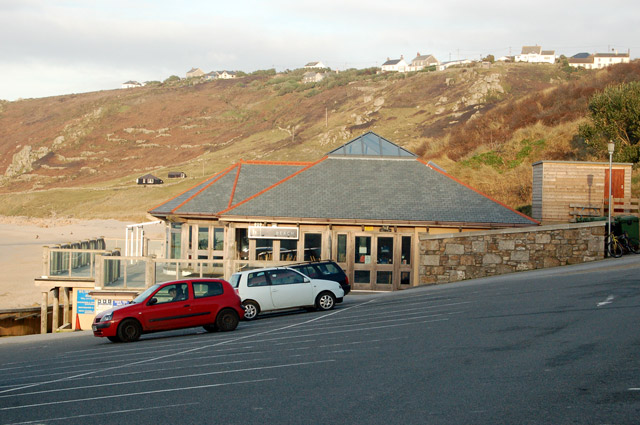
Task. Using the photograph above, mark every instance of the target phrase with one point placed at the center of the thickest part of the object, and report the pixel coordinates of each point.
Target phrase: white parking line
(609, 300)
(153, 359)
(166, 390)
(166, 378)
(91, 415)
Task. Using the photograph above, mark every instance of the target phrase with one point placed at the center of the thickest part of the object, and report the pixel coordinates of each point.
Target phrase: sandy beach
(21, 242)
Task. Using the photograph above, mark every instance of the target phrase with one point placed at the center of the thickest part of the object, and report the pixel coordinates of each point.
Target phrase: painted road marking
(607, 301)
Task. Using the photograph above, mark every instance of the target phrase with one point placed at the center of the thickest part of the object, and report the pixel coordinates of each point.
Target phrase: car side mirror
(307, 280)
(152, 301)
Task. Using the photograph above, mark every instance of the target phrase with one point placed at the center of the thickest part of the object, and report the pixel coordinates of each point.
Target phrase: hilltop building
(597, 60)
(395, 65)
(535, 54)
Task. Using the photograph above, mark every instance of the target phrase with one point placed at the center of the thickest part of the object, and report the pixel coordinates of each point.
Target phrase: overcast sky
(54, 47)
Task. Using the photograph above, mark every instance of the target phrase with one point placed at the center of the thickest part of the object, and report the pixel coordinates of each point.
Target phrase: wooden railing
(621, 206)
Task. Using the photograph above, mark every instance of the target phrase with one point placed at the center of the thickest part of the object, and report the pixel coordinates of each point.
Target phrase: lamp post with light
(610, 147)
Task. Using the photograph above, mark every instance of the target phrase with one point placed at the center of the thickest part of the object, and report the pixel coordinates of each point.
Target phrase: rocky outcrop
(23, 161)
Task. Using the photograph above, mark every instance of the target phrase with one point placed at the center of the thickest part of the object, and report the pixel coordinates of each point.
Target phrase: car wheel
(113, 338)
(251, 309)
(210, 328)
(129, 330)
(227, 320)
(325, 301)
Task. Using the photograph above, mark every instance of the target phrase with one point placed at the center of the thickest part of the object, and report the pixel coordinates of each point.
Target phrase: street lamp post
(610, 147)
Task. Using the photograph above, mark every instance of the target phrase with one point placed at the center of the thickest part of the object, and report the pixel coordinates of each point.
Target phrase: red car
(211, 303)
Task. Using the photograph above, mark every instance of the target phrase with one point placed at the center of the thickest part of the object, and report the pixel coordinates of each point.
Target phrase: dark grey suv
(324, 269)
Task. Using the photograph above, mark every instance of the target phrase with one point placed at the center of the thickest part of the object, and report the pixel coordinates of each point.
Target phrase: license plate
(94, 327)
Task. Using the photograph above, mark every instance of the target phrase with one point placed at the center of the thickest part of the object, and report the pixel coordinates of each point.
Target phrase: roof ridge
(221, 174)
(191, 188)
(476, 190)
(273, 185)
(261, 162)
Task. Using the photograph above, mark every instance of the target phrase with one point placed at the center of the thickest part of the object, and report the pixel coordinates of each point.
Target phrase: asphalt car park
(545, 347)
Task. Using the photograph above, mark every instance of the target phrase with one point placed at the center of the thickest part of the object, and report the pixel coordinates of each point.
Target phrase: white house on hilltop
(318, 65)
(395, 65)
(131, 85)
(597, 60)
(535, 54)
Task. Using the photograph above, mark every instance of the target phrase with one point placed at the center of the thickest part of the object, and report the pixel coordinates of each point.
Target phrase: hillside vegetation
(79, 155)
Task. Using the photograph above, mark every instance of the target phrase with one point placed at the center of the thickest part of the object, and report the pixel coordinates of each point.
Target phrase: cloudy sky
(54, 47)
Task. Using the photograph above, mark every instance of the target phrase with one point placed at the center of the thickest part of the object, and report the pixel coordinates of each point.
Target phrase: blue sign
(85, 303)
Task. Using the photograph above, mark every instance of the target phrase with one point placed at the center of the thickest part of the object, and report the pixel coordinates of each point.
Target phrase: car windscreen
(143, 296)
(235, 280)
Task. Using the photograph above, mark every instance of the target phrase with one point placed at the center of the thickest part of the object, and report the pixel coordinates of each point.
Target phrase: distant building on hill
(177, 175)
(131, 84)
(318, 65)
(195, 72)
(421, 62)
(149, 179)
(597, 60)
(535, 54)
(395, 65)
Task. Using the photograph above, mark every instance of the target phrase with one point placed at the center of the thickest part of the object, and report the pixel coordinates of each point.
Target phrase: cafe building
(362, 205)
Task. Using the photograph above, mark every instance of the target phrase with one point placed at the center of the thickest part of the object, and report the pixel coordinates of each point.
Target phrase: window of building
(342, 248)
(385, 250)
(363, 250)
(362, 276)
(312, 246)
(384, 277)
(175, 246)
(264, 249)
(203, 237)
(288, 250)
(242, 244)
(406, 250)
(218, 239)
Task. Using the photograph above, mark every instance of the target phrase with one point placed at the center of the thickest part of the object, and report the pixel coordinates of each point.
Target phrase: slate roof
(527, 50)
(345, 185)
(364, 189)
(228, 187)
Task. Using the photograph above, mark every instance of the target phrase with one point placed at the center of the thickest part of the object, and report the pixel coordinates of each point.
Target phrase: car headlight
(107, 317)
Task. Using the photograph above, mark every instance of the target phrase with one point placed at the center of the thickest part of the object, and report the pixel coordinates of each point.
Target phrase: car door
(290, 289)
(256, 287)
(169, 311)
(207, 300)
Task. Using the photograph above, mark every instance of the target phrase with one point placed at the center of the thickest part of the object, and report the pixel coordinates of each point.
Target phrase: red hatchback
(211, 303)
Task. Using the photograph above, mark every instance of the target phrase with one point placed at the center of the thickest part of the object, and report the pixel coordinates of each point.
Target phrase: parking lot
(532, 347)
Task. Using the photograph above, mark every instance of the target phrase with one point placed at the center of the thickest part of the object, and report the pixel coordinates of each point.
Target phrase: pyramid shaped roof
(369, 179)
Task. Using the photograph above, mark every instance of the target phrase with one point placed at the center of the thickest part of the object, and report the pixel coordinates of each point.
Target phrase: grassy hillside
(79, 155)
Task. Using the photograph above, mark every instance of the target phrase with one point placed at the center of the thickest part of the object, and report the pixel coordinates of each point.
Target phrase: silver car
(281, 288)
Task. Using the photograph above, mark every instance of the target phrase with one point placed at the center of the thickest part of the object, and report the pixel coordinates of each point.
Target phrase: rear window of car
(257, 279)
(308, 271)
(328, 268)
(285, 277)
(207, 289)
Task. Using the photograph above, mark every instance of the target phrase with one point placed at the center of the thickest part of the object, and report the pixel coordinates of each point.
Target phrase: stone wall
(458, 256)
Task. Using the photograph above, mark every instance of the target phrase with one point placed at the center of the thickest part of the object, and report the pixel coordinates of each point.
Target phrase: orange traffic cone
(78, 328)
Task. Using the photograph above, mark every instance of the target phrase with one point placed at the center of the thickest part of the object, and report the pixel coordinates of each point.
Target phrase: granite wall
(458, 256)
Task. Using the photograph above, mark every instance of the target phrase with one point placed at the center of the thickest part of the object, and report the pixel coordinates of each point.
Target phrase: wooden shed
(565, 190)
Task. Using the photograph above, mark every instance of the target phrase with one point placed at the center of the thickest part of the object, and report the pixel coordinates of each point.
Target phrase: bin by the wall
(628, 224)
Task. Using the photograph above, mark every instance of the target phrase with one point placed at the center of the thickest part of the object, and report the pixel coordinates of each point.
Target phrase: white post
(610, 147)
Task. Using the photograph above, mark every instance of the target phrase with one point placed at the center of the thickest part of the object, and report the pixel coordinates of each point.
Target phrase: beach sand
(21, 242)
